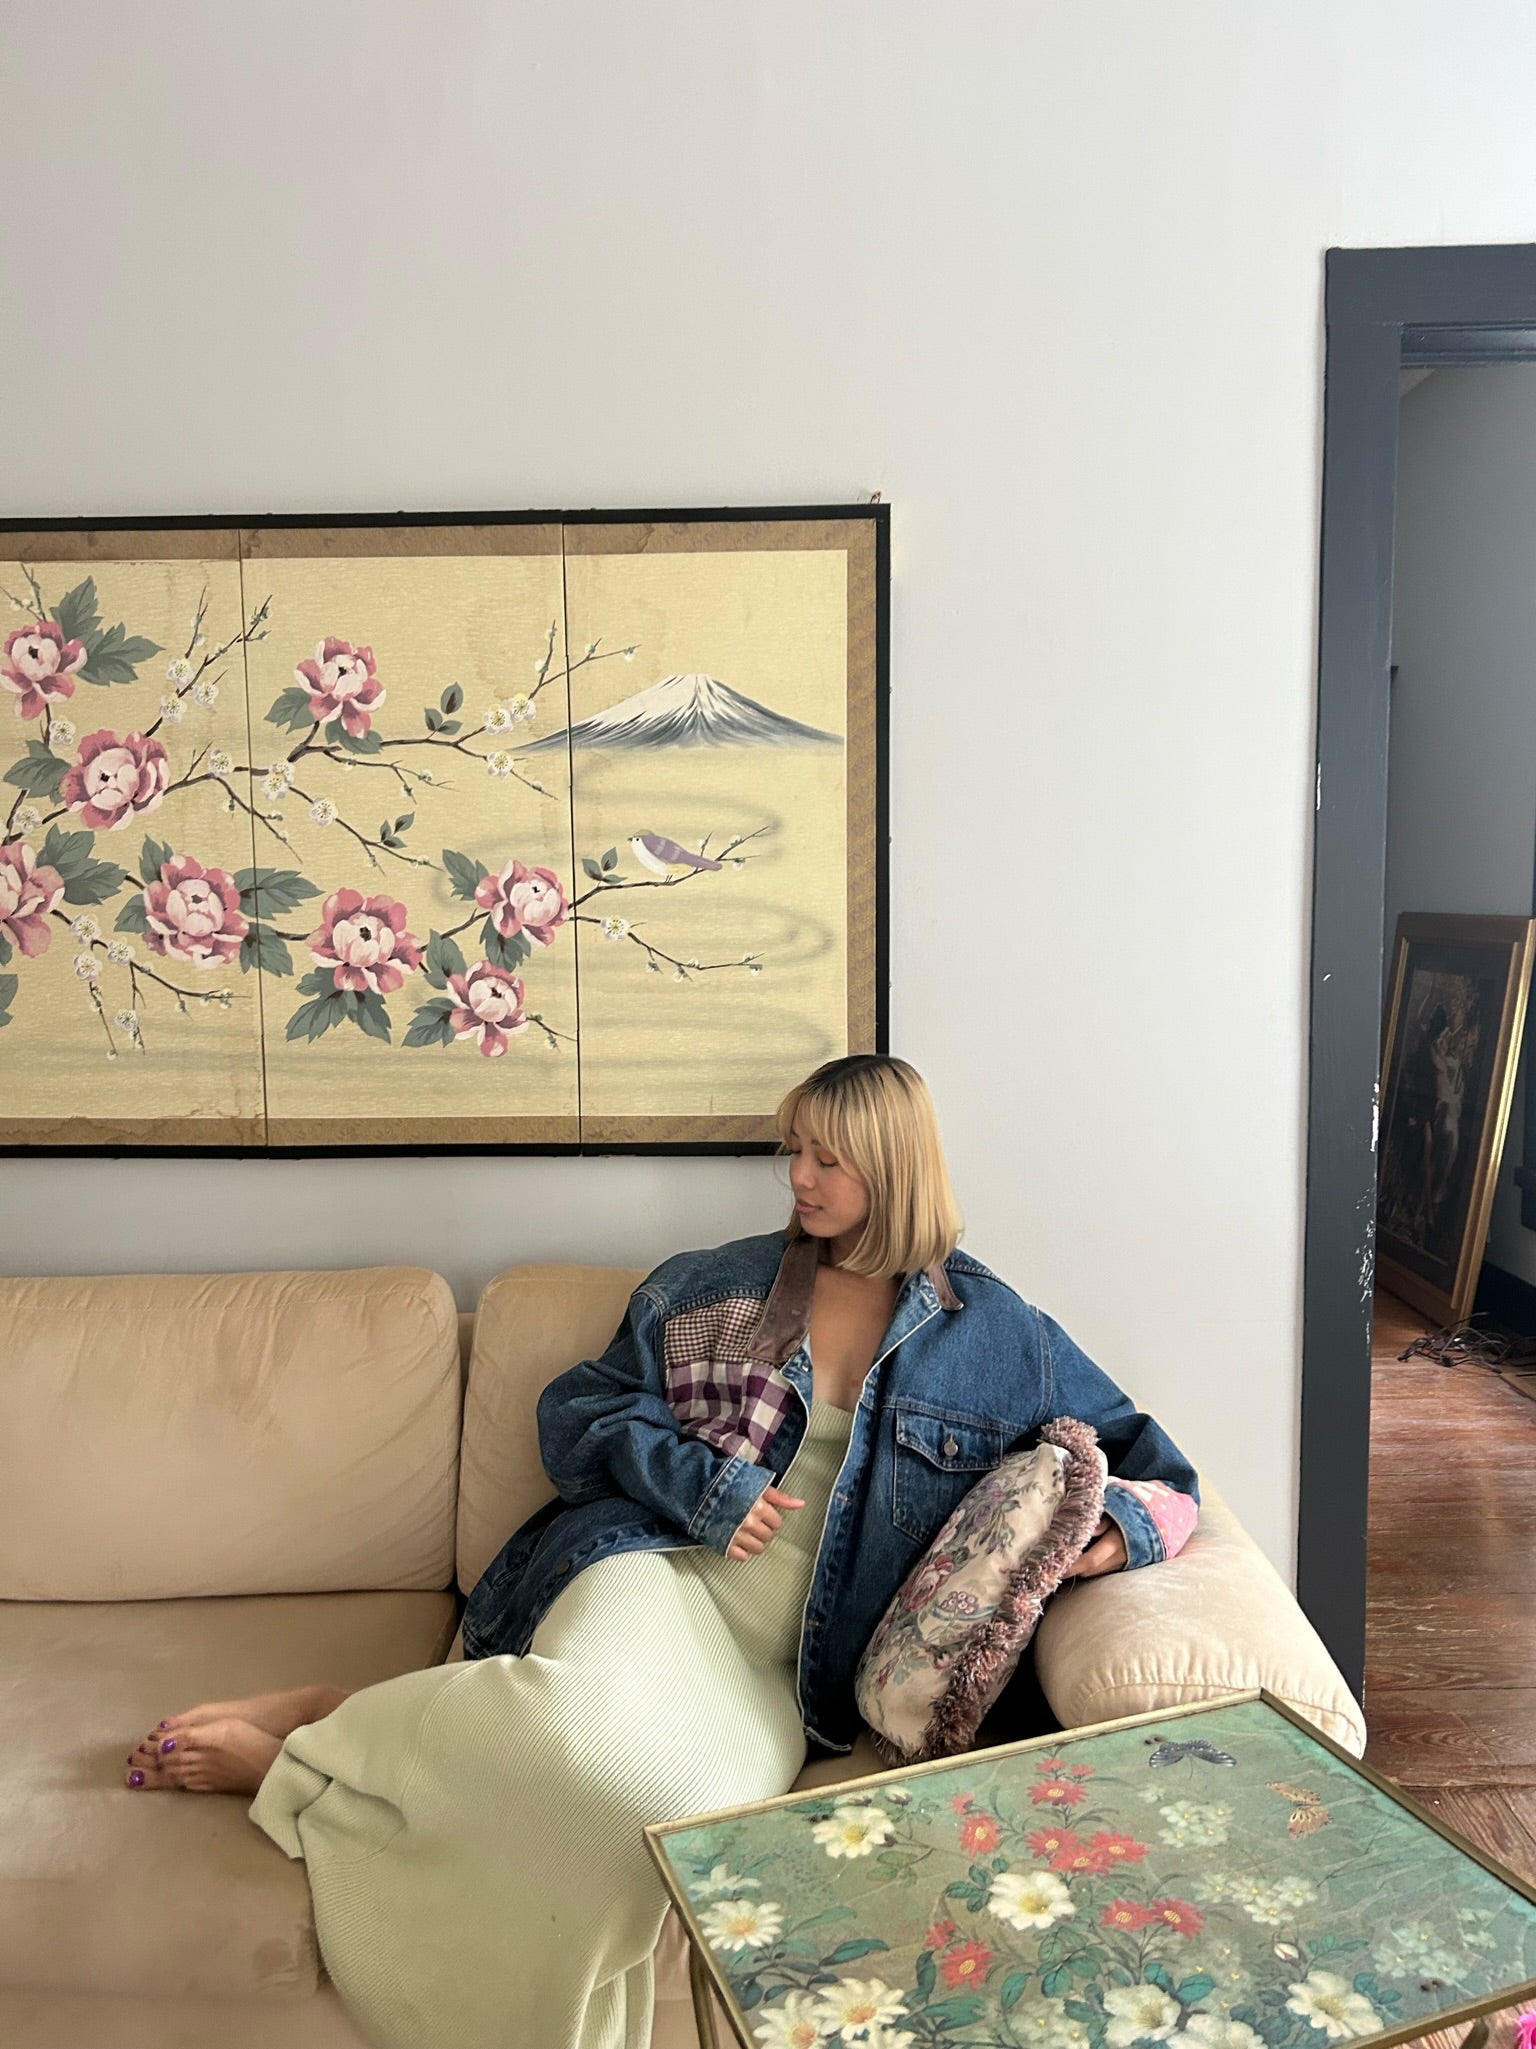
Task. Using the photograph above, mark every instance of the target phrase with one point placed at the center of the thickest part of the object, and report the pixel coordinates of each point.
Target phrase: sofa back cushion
(192, 1434)
(533, 1322)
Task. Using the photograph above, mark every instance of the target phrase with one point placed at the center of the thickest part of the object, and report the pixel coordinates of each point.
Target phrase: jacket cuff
(1143, 1538)
(727, 1500)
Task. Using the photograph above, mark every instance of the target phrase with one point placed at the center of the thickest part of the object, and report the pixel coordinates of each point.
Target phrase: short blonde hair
(875, 1113)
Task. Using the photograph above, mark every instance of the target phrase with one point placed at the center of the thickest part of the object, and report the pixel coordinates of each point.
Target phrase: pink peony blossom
(113, 781)
(28, 893)
(489, 1007)
(193, 913)
(365, 942)
(40, 667)
(529, 900)
(343, 684)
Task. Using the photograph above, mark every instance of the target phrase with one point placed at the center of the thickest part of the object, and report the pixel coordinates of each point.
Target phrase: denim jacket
(702, 1399)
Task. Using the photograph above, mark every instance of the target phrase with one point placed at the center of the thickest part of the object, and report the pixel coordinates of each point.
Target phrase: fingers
(777, 1499)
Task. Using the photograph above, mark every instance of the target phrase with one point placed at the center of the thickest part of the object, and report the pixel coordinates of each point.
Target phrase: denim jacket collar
(786, 1317)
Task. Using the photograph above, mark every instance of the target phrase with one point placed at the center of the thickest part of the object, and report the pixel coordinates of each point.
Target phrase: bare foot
(229, 1756)
(279, 1714)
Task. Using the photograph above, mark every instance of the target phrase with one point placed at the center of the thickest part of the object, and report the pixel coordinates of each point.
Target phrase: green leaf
(954, 2013)
(452, 699)
(616, 879)
(290, 708)
(925, 1974)
(430, 1026)
(590, 868)
(464, 875)
(503, 953)
(336, 735)
(1160, 1976)
(5, 949)
(451, 726)
(40, 774)
(846, 1952)
(8, 987)
(153, 856)
(114, 656)
(65, 852)
(1080, 2010)
(1015, 1985)
(443, 959)
(318, 982)
(261, 948)
(312, 1020)
(1057, 1984)
(750, 1993)
(433, 719)
(611, 858)
(271, 891)
(1195, 1987)
(76, 611)
(406, 820)
(132, 917)
(371, 1015)
(93, 882)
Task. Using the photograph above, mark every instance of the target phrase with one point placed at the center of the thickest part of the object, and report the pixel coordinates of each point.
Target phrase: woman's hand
(1105, 1552)
(762, 1523)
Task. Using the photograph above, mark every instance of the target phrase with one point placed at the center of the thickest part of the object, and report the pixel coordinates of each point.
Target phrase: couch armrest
(1216, 1619)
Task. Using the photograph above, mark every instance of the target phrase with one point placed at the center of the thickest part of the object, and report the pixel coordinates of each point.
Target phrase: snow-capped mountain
(687, 711)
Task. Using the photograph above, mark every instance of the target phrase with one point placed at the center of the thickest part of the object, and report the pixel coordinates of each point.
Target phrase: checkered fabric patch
(714, 1389)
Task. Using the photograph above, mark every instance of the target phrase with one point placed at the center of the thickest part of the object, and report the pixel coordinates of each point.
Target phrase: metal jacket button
(950, 1447)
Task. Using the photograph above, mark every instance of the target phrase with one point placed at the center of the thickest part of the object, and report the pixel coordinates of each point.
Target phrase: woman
(745, 1477)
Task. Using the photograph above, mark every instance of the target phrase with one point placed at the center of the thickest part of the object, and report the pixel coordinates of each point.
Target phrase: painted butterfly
(1168, 1752)
(1308, 1814)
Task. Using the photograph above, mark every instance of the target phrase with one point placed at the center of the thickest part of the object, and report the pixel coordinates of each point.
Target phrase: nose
(801, 1178)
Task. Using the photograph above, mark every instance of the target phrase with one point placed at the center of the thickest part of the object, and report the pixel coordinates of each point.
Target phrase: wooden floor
(1450, 1678)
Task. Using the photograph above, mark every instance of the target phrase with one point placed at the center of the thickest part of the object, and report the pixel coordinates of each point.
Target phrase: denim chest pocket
(939, 1459)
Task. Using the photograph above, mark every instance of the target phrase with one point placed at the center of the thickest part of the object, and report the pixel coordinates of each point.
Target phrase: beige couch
(220, 1484)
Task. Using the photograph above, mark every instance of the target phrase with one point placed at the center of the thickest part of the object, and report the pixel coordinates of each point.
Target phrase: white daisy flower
(119, 952)
(615, 928)
(61, 732)
(205, 692)
(323, 811)
(795, 2023)
(742, 1924)
(723, 1880)
(1327, 2002)
(854, 2008)
(852, 1831)
(179, 671)
(85, 967)
(173, 710)
(27, 819)
(220, 761)
(1220, 2031)
(1139, 2013)
(499, 763)
(85, 928)
(521, 709)
(1029, 1899)
(497, 720)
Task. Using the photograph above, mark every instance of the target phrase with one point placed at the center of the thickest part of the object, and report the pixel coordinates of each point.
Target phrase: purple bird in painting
(666, 858)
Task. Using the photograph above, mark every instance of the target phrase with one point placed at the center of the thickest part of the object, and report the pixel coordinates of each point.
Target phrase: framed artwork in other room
(1455, 1016)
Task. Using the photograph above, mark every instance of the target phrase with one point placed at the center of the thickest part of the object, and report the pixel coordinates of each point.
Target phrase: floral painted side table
(1219, 1877)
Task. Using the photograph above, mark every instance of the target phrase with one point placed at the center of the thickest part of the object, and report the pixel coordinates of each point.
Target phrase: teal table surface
(1220, 1878)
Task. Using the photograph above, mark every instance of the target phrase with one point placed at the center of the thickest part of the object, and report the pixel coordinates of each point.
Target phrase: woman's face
(830, 1200)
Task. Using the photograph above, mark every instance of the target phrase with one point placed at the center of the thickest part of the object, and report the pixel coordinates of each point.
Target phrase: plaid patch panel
(713, 1388)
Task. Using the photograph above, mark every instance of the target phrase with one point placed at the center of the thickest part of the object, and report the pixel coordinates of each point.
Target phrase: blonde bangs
(876, 1116)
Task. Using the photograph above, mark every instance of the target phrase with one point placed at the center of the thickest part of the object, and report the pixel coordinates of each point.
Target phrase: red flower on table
(1057, 1792)
(1113, 1849)
(967, 1964)
(1077, 1855)
(1064, 1768)
(113, 781)
(193, 913)
(963, 1803)
(1178, 1915)
(939, 1935)
(488, 1008)
(343, 683)
(979, 1833)
(28, 892)
(1126, 1914)
(40, 666)
(528, 900)
(1051, 1842)
(364, 942)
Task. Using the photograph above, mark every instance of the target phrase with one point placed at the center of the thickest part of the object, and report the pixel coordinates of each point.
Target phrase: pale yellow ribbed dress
(473, 1833)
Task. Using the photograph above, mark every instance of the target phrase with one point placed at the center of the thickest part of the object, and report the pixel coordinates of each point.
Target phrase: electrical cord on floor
(1472, 1344)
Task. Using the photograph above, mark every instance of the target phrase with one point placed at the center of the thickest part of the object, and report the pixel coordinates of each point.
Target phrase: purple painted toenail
(165, 1725)
(168, 1744)
(135, 1778)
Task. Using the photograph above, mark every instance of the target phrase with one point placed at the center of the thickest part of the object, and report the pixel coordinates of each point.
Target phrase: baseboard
(1507, 1299)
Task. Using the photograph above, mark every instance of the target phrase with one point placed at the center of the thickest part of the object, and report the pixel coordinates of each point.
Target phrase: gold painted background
(674, 1001)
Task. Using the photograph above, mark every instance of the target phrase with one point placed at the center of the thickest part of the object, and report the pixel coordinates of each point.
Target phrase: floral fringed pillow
(948, 1644)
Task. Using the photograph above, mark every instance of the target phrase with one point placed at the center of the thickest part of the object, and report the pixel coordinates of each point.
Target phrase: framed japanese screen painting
(439, 833)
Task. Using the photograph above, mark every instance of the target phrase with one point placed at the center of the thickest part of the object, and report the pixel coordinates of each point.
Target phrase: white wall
(1050, 278)
(1462, 810)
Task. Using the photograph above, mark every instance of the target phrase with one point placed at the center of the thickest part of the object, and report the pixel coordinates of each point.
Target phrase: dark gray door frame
(1387, 310)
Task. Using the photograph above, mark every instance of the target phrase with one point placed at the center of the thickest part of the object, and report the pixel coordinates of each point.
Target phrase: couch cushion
(532, 1322)
(172, 1894)
(188, 1434)
(1216, 1619)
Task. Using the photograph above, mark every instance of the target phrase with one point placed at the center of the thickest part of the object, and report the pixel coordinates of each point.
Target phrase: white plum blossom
(85, 967)
(61, 732)
(497, 719)
(1139, 2013)
(27, 818)
(273, 787)
(1047, 2025)
(1327, 2002)
(1190, 1825)
(1418, 1950)
(282, 772)
(179, 671)
(323, 811)
(85, 929)
(521, 709)
(498, 763)
(853, 2009)
(1030, 1899)
(853, 1831)
(742, 1924)
(205, 692)
(794, 2024)
(629, 654)
(127, 1021)
(615, 928)
(173, 710)
(1220, 2031)
(1267, 1903)
(220, 761)
(119, 952)
(1474, 1925)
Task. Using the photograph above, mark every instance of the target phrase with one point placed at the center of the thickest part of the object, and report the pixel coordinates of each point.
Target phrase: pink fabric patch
(1175, 1515)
